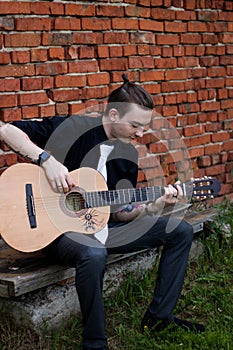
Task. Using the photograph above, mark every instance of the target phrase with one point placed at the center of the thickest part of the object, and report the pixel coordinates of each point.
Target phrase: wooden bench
(26, 278)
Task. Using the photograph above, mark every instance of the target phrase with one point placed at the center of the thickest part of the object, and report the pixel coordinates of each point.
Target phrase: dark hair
(129, 93)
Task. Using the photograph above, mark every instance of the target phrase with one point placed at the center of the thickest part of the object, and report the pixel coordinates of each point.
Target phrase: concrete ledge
(52, 306)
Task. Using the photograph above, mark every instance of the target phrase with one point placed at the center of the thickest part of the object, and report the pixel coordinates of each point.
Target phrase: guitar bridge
(30, 206)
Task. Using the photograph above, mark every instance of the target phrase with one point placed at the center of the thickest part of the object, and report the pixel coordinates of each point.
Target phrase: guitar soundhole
(74, 202)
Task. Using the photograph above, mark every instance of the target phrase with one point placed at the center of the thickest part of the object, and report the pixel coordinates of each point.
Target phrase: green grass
(206, 298)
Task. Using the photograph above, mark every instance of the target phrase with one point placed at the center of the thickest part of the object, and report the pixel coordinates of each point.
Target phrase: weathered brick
(67, 24)
(57, 39)
(93, 23)
(32, 84)
(98, 79)
(35, 98)
(153, 26)
(22, 40)
(9, 115)
(70, 81)
(7, 85)
(30, 24)
(80, 9)
(15, 8)
(20, 56)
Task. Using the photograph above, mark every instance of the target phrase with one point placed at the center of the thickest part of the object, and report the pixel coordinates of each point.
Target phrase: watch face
(43, 157)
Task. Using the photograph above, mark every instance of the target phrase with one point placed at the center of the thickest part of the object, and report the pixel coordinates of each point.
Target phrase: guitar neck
(123, 196)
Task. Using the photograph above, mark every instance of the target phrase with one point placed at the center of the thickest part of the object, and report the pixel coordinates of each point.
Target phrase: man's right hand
(58, 175)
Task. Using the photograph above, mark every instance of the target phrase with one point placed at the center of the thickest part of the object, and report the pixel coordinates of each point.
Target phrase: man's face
(131, 125)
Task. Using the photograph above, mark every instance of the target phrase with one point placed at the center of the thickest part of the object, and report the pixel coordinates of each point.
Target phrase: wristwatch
(43, 157)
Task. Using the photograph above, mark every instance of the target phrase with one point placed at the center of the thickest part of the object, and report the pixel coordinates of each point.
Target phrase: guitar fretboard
(123, 196)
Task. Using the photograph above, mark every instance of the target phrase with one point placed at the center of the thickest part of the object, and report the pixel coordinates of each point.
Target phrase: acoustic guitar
(32, 215)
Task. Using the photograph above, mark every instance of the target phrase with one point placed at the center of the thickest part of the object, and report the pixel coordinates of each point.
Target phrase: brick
(51, 68)
(152, 75)
(199, 140)
(172, 87)
(8, 159)
(87, 38)
(210, 39)
(122, 24)
(39, 55)
(136, 11)
(194, 130)
(22, 40)
(7, 23)
(168, 39)
(165, 62)
(196, 152)
(215, 170)
(17, 71)
(177, 74)
(9, 115)
(190, 38)
(113, 64)
(142, 38)
(95, 23)
(81, 10)
(57, 39)
(62, 108)
(220, 136)
(169, 111)
(97, 92)
(8, 100)
(109, 11)
(32, 99)
(8, 85)
(164, 14)
(216, 72)
(141, 62)
(197, 27)
(210, 106)
(209, 61)
(86, 52)
(30, 112)
(167, 51)
(65, 95)
(16, 7)
(32, 84)
(46, 8)
(187, 62)
(227, 145)
(175, 27)
(116, 38)
(129, 50)
(207, 16)
(215, 83)
(84, 66)
(103, 51)
(47, 111)
(215, 50)
(225, 104)
(30, 24)
(185, 15)
(20, 56)
(189, 108)
(212, 149)
(98, 79)
(67, 24)
(56, 53)
(153, 26)
(4, 58)
(204, 161)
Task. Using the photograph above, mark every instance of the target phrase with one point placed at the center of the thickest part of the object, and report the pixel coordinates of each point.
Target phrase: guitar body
(51, 213)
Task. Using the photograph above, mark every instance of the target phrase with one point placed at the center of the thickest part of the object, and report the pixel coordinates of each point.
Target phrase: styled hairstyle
(128, 93)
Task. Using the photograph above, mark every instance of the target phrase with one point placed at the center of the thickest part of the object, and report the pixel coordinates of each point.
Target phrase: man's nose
(140, 131)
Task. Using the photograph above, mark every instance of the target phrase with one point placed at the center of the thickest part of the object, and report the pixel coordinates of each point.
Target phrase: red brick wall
(59, 57)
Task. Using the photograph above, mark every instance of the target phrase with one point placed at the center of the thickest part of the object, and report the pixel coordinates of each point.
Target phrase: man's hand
(128, 212)
(171, 196)
(58, 175)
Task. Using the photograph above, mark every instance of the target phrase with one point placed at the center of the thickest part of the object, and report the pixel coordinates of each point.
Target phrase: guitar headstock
(202, 188)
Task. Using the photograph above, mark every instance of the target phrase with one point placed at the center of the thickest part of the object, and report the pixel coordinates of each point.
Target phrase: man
(74, 142)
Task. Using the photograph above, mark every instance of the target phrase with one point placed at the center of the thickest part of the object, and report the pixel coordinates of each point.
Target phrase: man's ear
(113, 114)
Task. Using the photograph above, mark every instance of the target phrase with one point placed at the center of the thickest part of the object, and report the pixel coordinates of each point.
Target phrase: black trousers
(89, 256)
